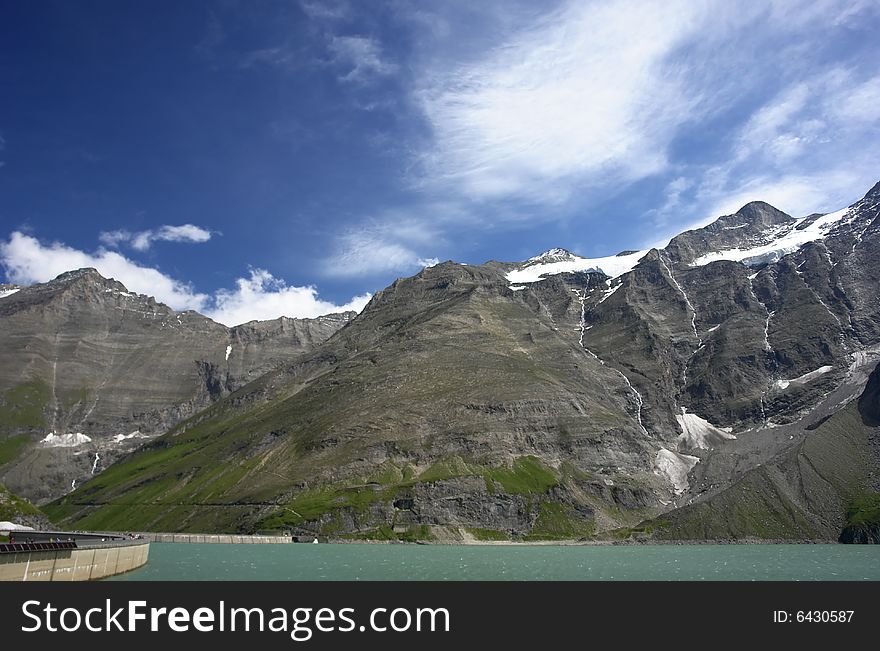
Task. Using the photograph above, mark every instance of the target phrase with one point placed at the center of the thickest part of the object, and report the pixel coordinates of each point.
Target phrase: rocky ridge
(89, 370)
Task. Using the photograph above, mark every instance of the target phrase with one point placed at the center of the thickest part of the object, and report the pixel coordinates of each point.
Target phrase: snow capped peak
(557, 261)
(757, 234)
(555, 255)
(779, 241)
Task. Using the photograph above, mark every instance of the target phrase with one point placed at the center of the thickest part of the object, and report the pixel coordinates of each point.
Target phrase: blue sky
(253, 159)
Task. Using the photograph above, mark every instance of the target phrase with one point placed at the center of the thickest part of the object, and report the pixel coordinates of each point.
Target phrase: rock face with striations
(557, 398)
(88, 370)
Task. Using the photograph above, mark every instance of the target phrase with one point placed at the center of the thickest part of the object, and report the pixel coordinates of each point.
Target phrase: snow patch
(53, 440)
(536, 269)
(791, 238)
(698, 433)
(516, 288)
(119, 438)
(228, 352)
(675, 467)
(803, 379)
(7, 292)
(606, 294)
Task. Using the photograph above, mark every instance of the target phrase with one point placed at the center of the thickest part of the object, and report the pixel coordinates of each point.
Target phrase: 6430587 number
(824, 616)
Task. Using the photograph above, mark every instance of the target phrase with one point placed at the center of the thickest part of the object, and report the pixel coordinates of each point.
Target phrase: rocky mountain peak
(873, 193)
(85, 273)
(87, 276)
(757, 214)
(756, 223)
(557, 254)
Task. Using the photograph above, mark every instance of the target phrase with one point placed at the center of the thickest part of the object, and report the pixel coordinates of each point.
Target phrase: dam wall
(76, 564)
(215, 538)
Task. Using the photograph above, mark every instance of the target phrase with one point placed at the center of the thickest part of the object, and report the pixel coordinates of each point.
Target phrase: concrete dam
(80, 556)
(63, 556)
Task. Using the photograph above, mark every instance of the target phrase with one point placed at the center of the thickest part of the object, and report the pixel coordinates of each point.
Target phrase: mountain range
(722, 387)
(89, 370)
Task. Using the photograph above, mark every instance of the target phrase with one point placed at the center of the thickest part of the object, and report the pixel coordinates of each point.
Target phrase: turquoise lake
(356, 562)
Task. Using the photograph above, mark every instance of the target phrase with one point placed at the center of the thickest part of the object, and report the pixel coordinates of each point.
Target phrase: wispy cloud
(282, 56)
(809, 114)
(360, 58)
(143, 240)
(596, 96)
(395, 243)
(326, 10)
(811, 147)
(586, 92)
(796, 194)
(213, 38)
(260, 295)
(362, 253)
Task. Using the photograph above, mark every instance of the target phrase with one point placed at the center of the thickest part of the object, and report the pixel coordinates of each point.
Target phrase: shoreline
(157, 538)
(583, 543)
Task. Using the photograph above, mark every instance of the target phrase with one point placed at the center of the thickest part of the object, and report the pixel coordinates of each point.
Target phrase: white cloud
(27, 260)
(361, 57)
(114, 238)
(260, 296)
(142, 240)
(582, 94)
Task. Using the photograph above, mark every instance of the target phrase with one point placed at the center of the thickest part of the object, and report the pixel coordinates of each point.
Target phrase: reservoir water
(357, 562)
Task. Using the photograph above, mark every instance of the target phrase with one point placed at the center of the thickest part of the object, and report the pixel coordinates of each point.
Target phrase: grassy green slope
(16, 509)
